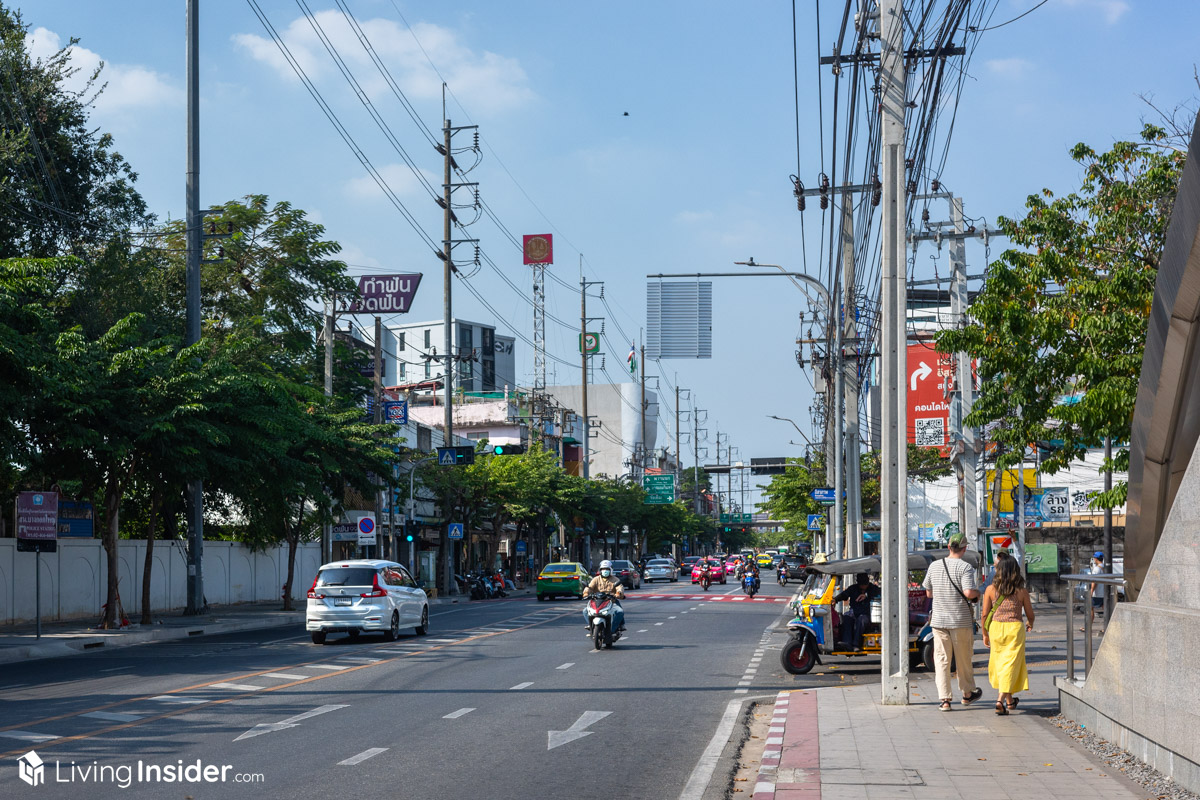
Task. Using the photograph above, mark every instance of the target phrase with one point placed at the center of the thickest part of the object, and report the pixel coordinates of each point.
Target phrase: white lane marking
(236, 687)
(13, 686)
(359, 659)
(117, 669)
(174, 698)
(27, 736)
(284, 724)
(567, 665)
(681, 612)
(520, 686)
(576, 731)
(110, 716)
(658, 623)
(670, 618)
(744, 683)
(361, 757)
(751, 670)
(740, 691)
(644, 630)
(462, 712)
(326, 666)
(287, 676)
(703, 771)
(443, 641)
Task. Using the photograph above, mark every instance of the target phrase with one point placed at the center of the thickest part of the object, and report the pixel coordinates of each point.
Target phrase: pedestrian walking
(952, 584)
(1004, 604)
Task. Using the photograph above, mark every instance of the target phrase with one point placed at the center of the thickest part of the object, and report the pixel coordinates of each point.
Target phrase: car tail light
(378, 591)
(312, 590)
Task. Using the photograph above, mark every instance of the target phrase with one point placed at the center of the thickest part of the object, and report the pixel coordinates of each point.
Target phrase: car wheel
(541, 597)
(318, 637)
(423, 628)
(393, 631)
(354, 633)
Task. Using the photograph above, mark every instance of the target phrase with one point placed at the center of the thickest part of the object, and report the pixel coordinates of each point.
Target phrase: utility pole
(1109, 597)
(696, 460)
(968, 492)
(327, 528)
(641, 469)
(195, 244)
(583, 361)
(893, 312)
(378, 419)
(445, 581)
(849, 378)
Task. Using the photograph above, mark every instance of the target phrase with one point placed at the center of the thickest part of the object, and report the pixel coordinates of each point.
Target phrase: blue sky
(694, 178)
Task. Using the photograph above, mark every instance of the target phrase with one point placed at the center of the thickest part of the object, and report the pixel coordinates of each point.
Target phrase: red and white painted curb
(791, 763)
(716, 598)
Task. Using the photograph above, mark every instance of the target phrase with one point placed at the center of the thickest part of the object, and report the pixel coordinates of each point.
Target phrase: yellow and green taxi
(563, 577)
(764, 560)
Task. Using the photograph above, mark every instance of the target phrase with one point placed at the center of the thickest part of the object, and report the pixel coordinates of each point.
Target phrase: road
(502, 699)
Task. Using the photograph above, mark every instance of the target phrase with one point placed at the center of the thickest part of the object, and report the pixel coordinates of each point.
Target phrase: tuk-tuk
(815, 630)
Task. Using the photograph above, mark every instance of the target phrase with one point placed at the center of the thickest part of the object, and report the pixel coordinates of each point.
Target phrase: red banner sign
(538, 248)
(930, 379)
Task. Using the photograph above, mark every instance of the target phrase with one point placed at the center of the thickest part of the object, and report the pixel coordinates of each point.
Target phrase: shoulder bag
(988, 620)
(957, 588)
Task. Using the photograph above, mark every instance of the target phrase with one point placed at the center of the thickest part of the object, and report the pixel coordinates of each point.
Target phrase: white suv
(365, 595)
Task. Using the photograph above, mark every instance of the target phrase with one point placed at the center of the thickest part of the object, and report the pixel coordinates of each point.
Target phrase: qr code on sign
(931, 432)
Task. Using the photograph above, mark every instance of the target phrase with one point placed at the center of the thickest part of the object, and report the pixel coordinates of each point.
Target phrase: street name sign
(825, 496)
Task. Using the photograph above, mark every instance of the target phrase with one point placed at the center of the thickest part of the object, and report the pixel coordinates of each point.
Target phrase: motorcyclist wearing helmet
(604, 582)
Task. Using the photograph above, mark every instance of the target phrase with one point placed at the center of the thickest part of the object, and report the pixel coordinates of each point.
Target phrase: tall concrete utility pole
(378, 419)
(327, 528)
(641, 467)
(583, 360)
(678, 457)
(195, 243)
(696, 460)
(893, 384)
(967, 460)
(444, 584)
(849, 378)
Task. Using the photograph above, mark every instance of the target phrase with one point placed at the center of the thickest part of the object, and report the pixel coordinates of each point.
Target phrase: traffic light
(508, 449)
(408, 538)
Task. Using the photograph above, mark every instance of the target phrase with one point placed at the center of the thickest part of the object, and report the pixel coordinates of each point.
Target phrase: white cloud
(1111, 10)
(484, 82)
(1009, 67)
(397, 176)
(129, 86)
(693, 217)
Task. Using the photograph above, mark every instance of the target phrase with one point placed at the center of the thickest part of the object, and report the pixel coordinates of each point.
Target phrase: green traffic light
(410, 537)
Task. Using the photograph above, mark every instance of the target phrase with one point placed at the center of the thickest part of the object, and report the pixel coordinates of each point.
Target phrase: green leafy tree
(1059, 327)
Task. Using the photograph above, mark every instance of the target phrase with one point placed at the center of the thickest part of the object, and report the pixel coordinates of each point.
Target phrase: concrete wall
(616, 406)
(74, 579)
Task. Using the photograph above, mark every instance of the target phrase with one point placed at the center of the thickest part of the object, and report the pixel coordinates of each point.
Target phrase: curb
(17, 653)
(798, 771)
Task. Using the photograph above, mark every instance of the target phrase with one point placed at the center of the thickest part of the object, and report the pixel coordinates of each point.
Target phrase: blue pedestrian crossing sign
(814, 521)
(446, 457)
(455, 530)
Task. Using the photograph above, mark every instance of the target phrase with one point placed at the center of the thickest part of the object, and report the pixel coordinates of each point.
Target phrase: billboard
(385, 294)
(930, 380)
(679, 320)
(538, 248)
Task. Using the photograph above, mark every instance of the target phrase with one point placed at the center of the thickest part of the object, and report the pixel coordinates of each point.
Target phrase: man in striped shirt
(951, 582)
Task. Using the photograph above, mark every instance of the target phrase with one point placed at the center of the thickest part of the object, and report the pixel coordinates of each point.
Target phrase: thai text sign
(385, 294)
(660, 489)
(37, 515)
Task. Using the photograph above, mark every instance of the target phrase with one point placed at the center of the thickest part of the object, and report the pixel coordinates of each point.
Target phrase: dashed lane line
(27, 736)
(109, 716)
(174, 698)
(567, 665)
(361, 757)
(462, 712)
(524, 685)
(237, 687)
(286, 676)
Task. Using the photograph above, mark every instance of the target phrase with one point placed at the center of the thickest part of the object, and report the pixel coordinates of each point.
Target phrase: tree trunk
(112, 512)
(147, 566)
(293, 540)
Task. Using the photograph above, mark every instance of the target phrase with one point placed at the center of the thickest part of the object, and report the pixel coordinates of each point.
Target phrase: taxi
(765, 560)
(562, 578)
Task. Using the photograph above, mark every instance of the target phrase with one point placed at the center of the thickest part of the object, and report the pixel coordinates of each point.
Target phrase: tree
(1060, 325)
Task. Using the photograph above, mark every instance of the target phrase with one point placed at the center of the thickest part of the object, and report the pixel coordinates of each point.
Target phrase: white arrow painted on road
(290, 722)
(922, 372)
(576, 731)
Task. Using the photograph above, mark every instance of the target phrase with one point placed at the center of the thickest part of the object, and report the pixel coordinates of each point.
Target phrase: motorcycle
(782, 577)
(705, 580)
(750, 584)
(601, 616)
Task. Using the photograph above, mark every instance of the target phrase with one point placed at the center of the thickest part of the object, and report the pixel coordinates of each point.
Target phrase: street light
(794, 425)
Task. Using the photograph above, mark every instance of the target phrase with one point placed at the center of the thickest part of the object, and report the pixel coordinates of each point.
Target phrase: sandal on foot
(1000, 709)
(1012, 701)
(944, 705)
(972, 697)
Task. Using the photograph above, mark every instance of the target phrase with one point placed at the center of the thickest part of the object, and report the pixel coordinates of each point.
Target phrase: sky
(651, 136)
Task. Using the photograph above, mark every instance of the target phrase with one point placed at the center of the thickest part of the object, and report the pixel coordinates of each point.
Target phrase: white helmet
(605, 564)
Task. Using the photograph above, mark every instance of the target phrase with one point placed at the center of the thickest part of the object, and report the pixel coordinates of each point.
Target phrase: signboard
(1042, 558)
(37, 516)
(825, 496)
(521, 547)
(385, 294)
(930, 378)
(538, 248)
(679, 319)
(995, 542)
(815, 522)
(452, 456)
(455, 530)
(926, 532)
(395, 412)
(1008, 485)
(737, 519)
(75, 519)
(1054, 504)
(589, 343)
(768, 466)
(660, 489)
(345, 532)
(366, 529)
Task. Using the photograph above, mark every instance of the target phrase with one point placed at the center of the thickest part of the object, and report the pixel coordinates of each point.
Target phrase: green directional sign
(736, 519)
(660, 489)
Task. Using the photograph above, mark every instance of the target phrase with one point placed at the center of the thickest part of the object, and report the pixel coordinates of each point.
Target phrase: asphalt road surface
(503, 699)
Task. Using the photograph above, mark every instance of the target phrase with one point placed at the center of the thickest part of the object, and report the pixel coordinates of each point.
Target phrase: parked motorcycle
(601, 617)
(750, 584)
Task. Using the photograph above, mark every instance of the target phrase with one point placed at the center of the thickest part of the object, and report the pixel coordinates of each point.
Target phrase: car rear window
(346, 576)
(621, 565)
(658, 562)
(560, 568)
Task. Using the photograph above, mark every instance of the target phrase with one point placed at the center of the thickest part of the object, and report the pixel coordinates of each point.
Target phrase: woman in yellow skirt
(1007, 614)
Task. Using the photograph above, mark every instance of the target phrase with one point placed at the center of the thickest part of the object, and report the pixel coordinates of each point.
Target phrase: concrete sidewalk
(20, 642)
(842, 744)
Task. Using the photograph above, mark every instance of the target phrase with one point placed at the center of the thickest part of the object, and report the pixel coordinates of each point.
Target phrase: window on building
(401, 369)
(428, 334)
(426, 369)
(465, 339)
(487, 341)
(424, 439)
(400, 343)
(489, 374)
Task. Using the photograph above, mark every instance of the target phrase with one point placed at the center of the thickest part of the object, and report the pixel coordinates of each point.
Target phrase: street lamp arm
(794, 425)
(809, 280)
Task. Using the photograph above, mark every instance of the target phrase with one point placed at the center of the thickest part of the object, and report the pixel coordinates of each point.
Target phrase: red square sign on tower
(930, 380)
(538, 248)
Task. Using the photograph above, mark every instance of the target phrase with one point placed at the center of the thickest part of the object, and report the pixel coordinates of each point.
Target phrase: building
(616, 424)
(492, 366)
